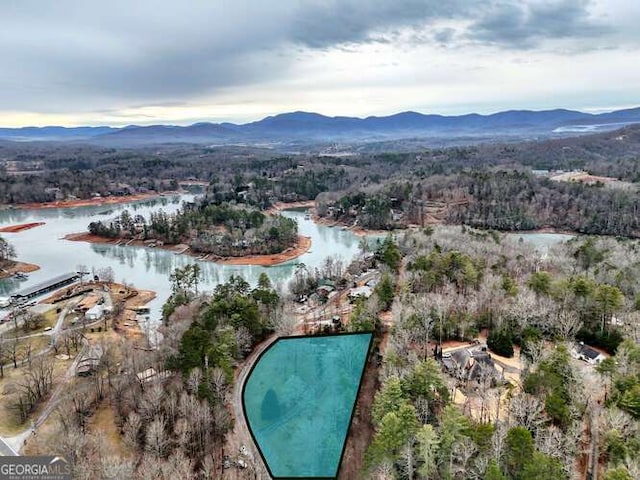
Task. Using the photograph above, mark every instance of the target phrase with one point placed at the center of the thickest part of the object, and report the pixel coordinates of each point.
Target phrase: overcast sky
(75, 62)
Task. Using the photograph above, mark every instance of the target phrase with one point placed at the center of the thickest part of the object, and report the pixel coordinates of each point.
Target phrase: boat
(307, 216)
(21, 276)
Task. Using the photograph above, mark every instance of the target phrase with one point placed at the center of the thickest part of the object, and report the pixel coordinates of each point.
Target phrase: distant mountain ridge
(314, 127)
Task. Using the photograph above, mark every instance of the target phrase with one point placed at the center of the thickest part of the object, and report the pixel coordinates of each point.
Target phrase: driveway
(5, 449)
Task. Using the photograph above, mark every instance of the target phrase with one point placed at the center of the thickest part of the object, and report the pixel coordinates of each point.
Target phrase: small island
(219, 232)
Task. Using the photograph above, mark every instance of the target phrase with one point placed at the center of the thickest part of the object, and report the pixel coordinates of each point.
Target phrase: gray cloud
(322, 24)
(518, 25)
(85, 56)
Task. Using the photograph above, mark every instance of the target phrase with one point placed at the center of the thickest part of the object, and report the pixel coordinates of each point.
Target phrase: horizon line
(592, 111)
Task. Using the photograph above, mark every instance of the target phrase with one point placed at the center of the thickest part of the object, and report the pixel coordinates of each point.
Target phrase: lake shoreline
(18, 267)
(302, 246)
(360, 231)
(280, 206)
(21, 227)
(90, 202)
(545, 230)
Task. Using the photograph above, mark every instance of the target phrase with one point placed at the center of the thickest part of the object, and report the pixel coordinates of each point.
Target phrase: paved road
(6, 450)
(59, 323)
(240, 426)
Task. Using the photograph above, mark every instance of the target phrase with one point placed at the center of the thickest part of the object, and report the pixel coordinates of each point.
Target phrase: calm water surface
(146, 268)
(149, 268)
(542, 241)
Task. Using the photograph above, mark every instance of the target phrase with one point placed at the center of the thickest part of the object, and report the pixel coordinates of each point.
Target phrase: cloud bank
(73, 57)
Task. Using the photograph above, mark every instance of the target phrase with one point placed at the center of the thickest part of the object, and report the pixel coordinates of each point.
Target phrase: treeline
(519, 201)
(82, 170)
(222, 229)
(508, 200)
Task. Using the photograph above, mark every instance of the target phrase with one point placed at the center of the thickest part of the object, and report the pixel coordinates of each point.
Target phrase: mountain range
(304, 127)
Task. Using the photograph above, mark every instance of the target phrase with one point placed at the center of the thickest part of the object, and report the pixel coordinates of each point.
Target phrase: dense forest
(514, 401)
(497, 199)
(435, 419)
(207, 226)
(491, 185)
(431, 421)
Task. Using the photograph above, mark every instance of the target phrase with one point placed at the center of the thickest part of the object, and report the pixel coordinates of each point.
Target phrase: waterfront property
(299, 399)
(44, 287)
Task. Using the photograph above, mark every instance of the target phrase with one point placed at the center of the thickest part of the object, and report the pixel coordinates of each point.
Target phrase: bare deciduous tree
(527, 411)
(157, 439)
(131, 430)
(408, 459)
(152, 402)
(117, 468)
(284, 322)
(568, 323)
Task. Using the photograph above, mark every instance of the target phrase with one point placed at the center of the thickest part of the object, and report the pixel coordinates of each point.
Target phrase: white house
(588, 354)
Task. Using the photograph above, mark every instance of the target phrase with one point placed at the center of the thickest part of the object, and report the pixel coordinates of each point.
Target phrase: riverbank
(21, 227)
(17, 267)
(302, 246)
(90, 202)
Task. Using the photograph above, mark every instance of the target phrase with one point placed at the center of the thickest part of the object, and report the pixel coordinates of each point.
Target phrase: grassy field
(9, 424)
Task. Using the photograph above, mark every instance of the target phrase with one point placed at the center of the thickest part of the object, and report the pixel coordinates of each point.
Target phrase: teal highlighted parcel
(299, 401)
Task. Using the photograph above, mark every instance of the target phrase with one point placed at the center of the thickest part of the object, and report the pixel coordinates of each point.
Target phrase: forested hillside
(206, 226)
(527, 408)
(29, 169)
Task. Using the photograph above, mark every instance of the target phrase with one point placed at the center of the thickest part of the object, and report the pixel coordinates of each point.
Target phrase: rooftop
(25, 292)
(589, 352)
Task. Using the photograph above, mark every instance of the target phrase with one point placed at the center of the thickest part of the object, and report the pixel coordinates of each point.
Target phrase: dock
(44, 287)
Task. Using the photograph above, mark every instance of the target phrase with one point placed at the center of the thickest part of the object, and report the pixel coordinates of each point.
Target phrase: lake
(146, 268)
(149, 268)
(542, 241)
